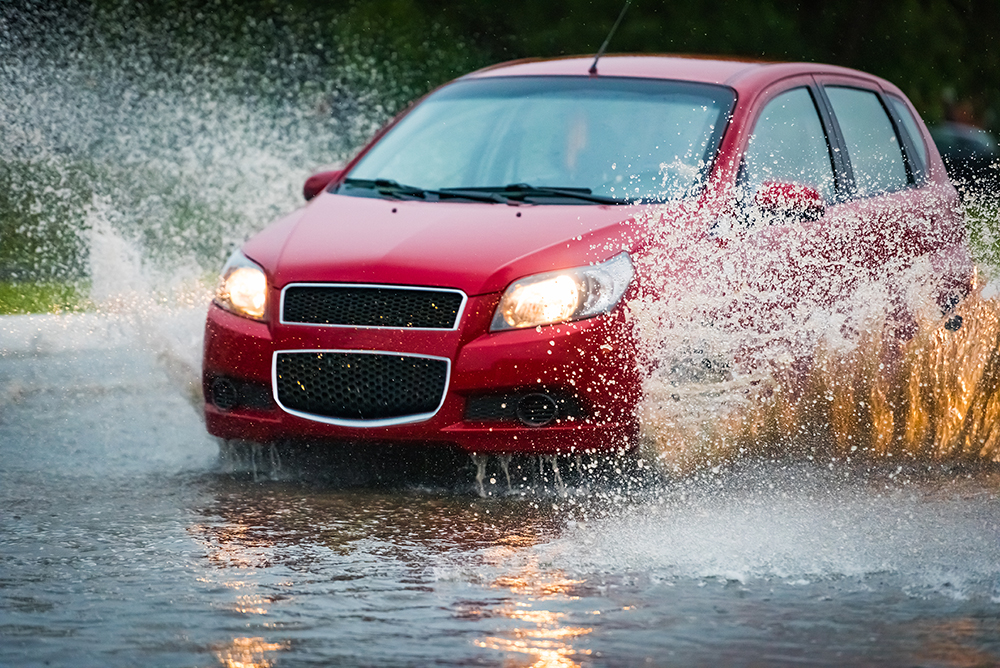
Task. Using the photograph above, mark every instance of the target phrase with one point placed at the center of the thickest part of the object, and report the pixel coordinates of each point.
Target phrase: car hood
(475, 247)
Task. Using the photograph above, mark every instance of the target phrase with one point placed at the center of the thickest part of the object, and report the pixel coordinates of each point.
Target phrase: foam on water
(799, 524)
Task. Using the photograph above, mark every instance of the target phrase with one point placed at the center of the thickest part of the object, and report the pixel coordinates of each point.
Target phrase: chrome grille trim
(407, 419)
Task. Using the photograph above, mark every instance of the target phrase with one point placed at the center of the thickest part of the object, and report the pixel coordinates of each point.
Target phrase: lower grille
(534, 409)
(358, 387)
(228, 393)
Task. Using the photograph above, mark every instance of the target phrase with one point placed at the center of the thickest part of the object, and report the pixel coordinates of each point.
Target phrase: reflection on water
(250, 605)
(344, 537)
(545, 645)
(710, 567)
(248, 653)
(540, 634)
(954, 642)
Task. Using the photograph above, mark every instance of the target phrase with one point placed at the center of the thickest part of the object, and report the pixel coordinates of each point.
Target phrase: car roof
(738, 73)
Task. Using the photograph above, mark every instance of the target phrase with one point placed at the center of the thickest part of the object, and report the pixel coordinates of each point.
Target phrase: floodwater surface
(127, 541)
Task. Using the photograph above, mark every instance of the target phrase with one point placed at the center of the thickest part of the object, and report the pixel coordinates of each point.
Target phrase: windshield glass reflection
(634, 139)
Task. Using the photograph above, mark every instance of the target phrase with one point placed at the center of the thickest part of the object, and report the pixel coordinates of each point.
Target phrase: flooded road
(126, 542)
(137, 151)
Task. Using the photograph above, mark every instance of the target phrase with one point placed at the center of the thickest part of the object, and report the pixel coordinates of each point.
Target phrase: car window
(633, 139)
(872, 146)
(789, 145)
(905, 117)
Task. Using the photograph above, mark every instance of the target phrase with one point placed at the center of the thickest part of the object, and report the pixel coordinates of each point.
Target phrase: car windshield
(551, 139)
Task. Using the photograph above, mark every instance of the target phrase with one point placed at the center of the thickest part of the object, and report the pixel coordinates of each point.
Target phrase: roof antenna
(600, 52)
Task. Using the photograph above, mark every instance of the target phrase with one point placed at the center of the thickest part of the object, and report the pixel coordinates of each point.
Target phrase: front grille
(371, 306)
(354, 386)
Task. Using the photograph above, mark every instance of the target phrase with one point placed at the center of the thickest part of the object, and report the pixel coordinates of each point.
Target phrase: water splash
(121, 127)
(738, 371)
(798, 524)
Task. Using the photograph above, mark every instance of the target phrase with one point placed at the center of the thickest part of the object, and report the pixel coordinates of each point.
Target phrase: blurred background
(141, 142)
(943, 53)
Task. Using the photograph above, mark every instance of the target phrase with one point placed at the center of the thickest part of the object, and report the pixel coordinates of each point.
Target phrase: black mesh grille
(506, 407)
(229, 393)
(359, 386)
(371, 307)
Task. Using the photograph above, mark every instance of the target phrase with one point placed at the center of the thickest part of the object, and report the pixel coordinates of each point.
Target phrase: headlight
(242, 288)
(561, 296)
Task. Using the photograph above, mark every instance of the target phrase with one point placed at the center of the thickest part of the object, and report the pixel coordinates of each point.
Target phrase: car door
(883, 199)
(790, 260)
(896, 211)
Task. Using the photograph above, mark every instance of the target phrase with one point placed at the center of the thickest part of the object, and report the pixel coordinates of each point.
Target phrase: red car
(463, 281)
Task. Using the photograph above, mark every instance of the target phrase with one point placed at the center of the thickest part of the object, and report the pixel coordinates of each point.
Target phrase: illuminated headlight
(562, 296)
(242, 288)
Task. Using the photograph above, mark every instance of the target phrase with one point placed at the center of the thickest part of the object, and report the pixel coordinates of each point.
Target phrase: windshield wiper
(386, 187)
(514, 193)
(521, 191)
(478, 194)
(391, 188)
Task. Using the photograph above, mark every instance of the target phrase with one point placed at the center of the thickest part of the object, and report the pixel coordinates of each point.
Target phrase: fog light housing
(225, 396)
(537, 410)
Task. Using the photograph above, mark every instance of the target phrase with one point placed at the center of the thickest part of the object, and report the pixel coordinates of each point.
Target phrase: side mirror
(790, 200)
(317, 182)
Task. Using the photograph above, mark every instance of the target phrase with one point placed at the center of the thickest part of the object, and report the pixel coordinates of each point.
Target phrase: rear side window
(872, 145)
(905, 117)
(788, 145)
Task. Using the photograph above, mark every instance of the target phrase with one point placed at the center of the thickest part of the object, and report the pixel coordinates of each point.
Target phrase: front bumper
(588, 367)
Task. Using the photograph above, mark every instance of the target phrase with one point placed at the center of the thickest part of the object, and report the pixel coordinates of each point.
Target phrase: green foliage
(405, 47)
(395, 49)
(982, 218)
(42, 215)
(930, 48)
(20, 298)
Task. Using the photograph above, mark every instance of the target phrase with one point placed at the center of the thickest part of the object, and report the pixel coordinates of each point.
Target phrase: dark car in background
(971, 155)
